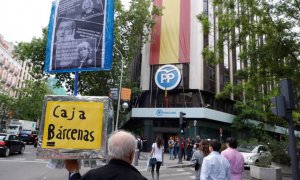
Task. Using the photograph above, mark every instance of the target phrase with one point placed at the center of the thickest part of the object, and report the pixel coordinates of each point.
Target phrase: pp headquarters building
(174, 78)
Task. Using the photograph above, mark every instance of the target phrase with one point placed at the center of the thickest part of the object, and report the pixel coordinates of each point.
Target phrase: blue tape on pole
(109, 33)
(49, 35)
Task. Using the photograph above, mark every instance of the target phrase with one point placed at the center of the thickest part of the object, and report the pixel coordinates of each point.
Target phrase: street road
(27, 167)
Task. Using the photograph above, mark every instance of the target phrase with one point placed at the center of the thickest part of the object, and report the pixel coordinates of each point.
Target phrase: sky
(21, 20)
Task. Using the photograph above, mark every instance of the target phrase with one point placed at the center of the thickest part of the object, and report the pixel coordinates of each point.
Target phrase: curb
(180, 166)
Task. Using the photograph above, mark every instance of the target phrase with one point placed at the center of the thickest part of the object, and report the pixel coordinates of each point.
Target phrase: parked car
(10, 143)
(28, 136)
(255, 154)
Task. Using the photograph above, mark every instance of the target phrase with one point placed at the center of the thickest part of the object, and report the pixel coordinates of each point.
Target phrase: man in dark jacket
(121, 148)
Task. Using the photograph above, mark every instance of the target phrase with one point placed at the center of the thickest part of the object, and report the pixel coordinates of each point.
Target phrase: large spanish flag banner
(170, 37)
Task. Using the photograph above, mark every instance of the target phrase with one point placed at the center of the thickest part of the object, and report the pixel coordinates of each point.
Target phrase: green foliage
(34, 52)
(209, 56)
(269, 51)
(279, 152)
(6, 106)
(205, 23)
(29, 103)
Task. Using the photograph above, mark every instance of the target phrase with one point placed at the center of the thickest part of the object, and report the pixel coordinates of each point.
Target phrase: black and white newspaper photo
(78, 35)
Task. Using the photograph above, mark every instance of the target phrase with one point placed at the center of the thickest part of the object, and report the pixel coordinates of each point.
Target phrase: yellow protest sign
(73, 125)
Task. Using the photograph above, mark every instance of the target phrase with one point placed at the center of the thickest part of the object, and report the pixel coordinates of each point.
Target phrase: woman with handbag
(198, 156)
(157, 153)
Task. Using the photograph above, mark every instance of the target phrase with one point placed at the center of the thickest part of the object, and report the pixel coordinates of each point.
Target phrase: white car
(254, 154)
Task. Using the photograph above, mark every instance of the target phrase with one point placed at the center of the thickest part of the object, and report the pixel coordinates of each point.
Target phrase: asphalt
(144, 156)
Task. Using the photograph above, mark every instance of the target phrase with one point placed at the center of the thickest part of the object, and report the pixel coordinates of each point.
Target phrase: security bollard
(136, 157)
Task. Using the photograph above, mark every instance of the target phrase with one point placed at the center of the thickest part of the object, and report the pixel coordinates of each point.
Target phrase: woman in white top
(157, 152)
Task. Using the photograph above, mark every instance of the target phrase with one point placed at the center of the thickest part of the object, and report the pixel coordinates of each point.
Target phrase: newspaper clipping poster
(78, 36)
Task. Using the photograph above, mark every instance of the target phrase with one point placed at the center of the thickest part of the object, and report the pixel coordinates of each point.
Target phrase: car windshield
(26, 132)
(2, 137)
(12, 127)
(246, 148)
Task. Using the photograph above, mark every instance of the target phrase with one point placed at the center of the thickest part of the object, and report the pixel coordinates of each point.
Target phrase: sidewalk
(167, 163)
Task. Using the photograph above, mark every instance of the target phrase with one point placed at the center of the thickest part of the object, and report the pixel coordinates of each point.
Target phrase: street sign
(125, 94)
(114, 93)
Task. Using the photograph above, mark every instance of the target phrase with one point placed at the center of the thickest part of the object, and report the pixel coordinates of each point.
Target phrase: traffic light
(182, 122)
(278, 106)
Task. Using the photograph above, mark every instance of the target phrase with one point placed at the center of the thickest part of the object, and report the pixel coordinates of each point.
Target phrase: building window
(212, 73)
(205, 7)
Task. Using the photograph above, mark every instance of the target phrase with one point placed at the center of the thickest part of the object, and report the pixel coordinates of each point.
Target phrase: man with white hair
(121, 148)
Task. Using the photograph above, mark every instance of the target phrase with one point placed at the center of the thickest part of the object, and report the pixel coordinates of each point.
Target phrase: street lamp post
(120, 86)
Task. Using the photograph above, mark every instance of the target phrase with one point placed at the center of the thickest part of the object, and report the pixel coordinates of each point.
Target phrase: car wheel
(22, 150)
(7, 152)
(256, 162)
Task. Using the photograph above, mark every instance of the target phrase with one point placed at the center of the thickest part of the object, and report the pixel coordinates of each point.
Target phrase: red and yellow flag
(171, 33)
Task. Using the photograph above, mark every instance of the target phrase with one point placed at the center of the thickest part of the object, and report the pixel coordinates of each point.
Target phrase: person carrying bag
(156, 156)
(198, 156)
(152, 161)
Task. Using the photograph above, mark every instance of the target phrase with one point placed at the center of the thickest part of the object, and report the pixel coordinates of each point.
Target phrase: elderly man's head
(121, 145)
(65, 31)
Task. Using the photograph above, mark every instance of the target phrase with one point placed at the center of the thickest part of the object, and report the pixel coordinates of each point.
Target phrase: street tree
(264, 43)
(29, 102)
(6, 108)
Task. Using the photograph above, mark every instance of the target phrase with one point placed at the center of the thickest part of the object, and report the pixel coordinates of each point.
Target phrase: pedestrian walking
(214, 165)
(157, 152)
(176, 147)
(198, 156)
(121, 148)
(235, 159)
(139, 145)
(182, 148)
(189, 149)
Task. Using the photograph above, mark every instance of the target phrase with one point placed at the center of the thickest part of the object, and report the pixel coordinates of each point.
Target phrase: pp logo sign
(167, 77)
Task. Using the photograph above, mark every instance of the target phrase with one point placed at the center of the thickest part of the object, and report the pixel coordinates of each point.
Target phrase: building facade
(178, 40)
(179, 51)
(13, 73)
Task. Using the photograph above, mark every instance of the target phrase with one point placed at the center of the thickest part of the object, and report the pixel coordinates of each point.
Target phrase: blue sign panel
(80, 36)
(167, 77)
